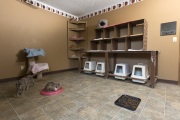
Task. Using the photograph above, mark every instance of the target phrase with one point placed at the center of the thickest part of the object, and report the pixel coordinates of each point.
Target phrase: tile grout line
(52, 111)
(10, 104)
(165, 103)
(14, 110)
(3, 94)
(39, 108)
(115, 114)
(144, 104)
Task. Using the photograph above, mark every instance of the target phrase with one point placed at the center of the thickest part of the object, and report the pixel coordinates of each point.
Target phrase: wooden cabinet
(76, 38)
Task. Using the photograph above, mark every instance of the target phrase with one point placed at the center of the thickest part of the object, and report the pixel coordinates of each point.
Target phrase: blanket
(38, 67)
(34, 52)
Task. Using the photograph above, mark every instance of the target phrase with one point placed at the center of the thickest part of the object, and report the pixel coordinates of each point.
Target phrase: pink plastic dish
(49, 93)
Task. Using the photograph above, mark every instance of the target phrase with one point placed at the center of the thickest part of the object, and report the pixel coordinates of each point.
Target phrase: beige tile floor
(87, 97)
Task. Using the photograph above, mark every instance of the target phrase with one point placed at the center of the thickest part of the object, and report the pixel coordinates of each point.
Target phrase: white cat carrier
(100, 68)
(121, 71)
(89, 66)
(140, 72)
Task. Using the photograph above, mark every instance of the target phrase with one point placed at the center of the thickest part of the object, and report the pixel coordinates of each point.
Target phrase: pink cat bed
(49, 93)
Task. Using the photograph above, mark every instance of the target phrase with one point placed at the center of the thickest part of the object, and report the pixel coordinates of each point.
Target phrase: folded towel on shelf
(34, 52)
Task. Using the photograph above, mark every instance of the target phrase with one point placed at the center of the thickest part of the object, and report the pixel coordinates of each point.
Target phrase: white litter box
(89, 67)
(121, 69)
(140, 72)
(100, 68)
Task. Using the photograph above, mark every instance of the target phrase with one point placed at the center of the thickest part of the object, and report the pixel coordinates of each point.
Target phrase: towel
(34, 52)
(38, 67)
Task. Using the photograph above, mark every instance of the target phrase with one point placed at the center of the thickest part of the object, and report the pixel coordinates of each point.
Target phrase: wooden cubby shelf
(126, 36)
(123, 43)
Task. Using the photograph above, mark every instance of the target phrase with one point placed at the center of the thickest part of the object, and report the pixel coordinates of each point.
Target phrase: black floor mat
(128, 102)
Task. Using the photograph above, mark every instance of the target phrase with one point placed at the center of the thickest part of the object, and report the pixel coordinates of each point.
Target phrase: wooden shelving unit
(124, 36)
(76, 38)
(77, 43)
(123, 43)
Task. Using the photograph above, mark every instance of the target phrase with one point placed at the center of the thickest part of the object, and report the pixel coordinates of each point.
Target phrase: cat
(51, 86)
(24, 83)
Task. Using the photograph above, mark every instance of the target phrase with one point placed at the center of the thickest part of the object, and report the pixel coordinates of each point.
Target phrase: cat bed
(49, 93)
(128, 102)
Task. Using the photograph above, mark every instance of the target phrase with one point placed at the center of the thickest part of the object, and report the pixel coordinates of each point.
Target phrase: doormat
(128, 102)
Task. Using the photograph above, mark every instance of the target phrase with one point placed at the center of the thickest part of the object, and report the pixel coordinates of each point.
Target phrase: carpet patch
(128, 102)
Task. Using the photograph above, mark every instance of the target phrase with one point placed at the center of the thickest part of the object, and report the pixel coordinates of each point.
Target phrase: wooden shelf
(136, 35)
(141, 24)
(125, 36)
(96, 51)
(101, 39)
(77, 22)
(107, 38)
(118, 38)
(77, 29)
(77, 39)
(77, 49)
(143, 51)
(121, 51)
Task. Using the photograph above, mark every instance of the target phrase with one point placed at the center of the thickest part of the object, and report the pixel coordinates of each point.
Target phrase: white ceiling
(80, 7)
